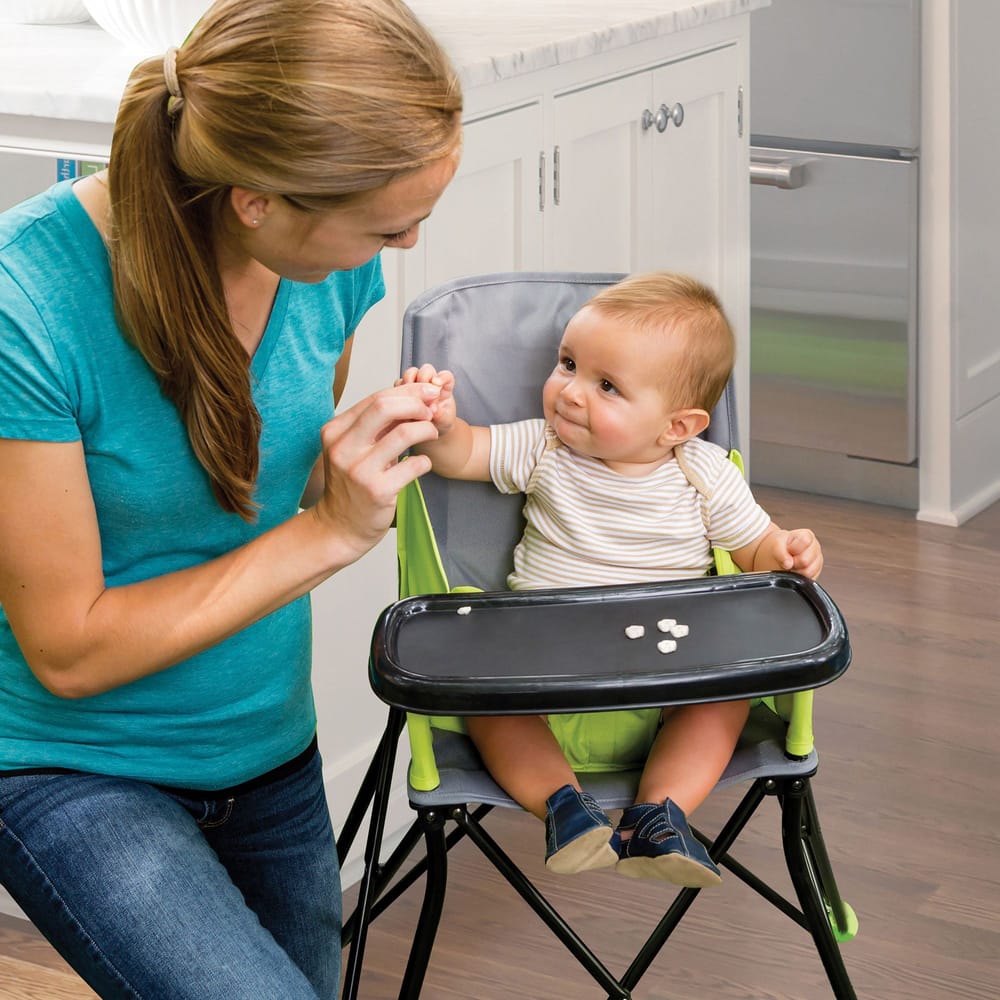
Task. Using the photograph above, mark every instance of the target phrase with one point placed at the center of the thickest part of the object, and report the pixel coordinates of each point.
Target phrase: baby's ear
(684, 425)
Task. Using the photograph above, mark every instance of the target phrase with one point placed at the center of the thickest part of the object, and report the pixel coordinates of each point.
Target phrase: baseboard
(977, 504)
(9, 907)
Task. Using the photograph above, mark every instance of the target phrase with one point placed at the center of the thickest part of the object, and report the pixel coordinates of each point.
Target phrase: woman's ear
(250, 207)
(683, 425)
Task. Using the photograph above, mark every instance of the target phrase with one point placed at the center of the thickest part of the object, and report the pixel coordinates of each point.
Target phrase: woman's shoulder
(17, 223)
(46, 238)
(55, 283)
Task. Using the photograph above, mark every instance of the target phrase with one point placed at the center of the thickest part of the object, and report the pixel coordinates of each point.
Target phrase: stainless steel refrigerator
(835, 120)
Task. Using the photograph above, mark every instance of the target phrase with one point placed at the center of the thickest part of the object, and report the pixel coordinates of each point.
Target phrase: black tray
(550, 651)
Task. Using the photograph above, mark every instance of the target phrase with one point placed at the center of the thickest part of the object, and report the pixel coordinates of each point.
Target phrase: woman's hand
(363, 474)
(443, 408)
(458, 450)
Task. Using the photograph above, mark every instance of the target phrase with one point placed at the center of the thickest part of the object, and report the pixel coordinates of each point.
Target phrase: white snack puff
(666, 645)
(635, 631)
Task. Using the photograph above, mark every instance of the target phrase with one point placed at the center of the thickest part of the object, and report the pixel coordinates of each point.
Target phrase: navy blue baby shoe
(577, 833)
(662, 846)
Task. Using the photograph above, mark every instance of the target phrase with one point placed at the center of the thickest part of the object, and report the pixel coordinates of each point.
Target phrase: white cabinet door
(697, 203)
(489, 217)
(630, 197)
(601, 166)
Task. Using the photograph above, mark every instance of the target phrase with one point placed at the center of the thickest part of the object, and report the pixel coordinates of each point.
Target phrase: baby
(620, 489)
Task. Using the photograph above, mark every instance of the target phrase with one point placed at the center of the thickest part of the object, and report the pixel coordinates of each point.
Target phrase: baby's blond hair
(678, 305)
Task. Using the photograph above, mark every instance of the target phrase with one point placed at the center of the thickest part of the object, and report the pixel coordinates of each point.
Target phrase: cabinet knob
(646, 120)
(666, 114)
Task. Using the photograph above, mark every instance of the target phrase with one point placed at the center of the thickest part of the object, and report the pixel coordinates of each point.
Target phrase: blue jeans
(151, 893)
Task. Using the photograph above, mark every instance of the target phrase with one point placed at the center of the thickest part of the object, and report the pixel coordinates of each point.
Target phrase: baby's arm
(776, 549)
(462, 450)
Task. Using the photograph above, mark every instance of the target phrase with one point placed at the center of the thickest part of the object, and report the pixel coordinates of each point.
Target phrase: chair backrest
(499, 333)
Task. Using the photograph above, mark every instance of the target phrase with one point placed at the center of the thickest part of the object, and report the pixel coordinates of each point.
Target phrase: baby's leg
(687, 758)
(691, 751)
(526, 760)
(523, 756)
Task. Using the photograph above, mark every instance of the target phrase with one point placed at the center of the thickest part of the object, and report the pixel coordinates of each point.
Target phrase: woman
(170, 335)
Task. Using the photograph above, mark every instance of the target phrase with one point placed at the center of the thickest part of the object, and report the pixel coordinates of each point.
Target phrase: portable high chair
(773, 637)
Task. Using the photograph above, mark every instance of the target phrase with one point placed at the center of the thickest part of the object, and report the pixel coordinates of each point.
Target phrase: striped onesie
(587, 525)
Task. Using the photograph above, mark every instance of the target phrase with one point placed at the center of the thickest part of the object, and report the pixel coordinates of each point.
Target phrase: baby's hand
(800, 551)
(443, 408)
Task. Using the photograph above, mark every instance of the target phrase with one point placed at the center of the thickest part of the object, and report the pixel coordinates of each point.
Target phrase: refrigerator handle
(787, 174)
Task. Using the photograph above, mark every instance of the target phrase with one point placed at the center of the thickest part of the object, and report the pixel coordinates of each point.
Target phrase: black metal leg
(386, 756)
(572, 942)
(821, 859)
(383, 900)
(799, 842)
(430, 911)
(381, 897)
(717, 850)
(363, 799)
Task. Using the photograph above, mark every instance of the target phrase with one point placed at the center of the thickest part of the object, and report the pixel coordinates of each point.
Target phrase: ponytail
(169, 294)
(321, 102)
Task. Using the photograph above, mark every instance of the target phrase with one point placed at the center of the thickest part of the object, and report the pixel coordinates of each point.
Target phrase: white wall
(960, 293)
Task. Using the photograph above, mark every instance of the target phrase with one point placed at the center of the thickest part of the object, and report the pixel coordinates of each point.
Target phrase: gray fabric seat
(759, 754)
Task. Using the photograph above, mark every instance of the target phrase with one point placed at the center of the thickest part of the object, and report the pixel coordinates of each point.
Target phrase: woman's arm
(314, 485)
(81, 637)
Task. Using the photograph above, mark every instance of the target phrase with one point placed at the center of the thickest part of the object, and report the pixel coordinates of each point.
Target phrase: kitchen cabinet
(646, 172)
(617, 191)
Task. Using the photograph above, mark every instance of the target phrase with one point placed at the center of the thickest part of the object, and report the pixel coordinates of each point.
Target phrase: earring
(254, 222)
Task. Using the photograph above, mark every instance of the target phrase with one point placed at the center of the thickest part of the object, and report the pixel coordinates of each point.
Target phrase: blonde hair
(678, 305)
(319, 101)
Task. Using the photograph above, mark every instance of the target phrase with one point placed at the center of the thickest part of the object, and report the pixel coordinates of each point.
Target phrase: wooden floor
(908, 792)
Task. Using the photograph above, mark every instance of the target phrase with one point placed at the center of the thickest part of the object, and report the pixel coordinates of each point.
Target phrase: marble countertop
(78, 71)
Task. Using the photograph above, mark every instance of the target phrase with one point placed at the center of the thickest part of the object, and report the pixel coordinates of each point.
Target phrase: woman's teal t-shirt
(67, 373)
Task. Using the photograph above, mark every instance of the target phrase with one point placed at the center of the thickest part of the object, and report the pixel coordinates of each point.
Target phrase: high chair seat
(760, 753)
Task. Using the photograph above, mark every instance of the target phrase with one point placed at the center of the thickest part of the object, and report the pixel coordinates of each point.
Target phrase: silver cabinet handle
(646, 119)
(786, 174)
(666, 114)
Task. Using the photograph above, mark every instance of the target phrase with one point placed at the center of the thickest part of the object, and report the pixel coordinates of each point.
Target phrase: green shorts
(606, 741)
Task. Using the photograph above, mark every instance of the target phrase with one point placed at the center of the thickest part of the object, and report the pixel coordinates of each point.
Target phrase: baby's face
(605, 396)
